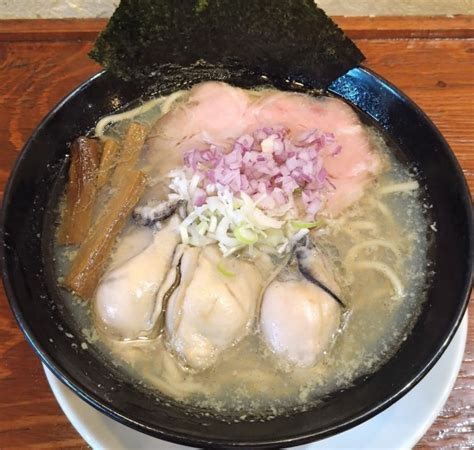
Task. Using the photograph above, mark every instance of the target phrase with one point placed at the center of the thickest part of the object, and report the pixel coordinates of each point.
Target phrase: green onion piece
(274, 238)
(237, 203)
(223, 270)
(298, 224)
(245, 235)
(213, 224)
(202, 228)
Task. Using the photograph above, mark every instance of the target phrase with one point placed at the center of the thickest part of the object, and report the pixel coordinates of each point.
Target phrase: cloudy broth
(373, 246)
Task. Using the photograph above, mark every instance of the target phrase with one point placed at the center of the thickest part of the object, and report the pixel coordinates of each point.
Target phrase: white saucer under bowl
(400, 426)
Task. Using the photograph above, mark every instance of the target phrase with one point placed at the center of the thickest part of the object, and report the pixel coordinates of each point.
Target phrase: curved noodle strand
(114, 118)
(364, 225)
(384, 270)
(384, 209)
(175, 389)
(168, 103)
(165, 102)
(354, 250)
(399, 187)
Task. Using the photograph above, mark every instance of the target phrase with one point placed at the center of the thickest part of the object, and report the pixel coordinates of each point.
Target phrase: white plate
(400, 426)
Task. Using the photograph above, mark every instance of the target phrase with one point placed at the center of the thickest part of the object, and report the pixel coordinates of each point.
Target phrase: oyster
(301, 309)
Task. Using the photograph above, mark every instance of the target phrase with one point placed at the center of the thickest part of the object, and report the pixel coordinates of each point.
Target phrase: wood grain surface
(430, 59)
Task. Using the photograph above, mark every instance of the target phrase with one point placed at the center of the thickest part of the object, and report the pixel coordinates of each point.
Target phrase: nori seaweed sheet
(291, 39)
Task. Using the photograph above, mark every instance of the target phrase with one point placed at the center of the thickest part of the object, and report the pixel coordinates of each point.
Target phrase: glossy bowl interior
(27, 224)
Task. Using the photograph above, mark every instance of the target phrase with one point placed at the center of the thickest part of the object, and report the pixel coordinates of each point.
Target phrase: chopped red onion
(269, 163)
(336, 150)
(200, 197)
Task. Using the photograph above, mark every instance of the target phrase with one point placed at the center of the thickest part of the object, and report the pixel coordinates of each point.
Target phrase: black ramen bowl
(27, 222)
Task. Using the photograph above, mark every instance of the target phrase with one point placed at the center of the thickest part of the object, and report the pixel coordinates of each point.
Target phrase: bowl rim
(79, 389)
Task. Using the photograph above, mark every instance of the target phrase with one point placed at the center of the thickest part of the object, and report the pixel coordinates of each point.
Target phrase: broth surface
(383, 231)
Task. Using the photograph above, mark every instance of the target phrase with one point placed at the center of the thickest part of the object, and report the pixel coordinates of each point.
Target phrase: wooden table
(431, 59)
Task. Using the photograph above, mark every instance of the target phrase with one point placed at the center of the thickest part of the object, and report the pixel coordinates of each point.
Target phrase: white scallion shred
(230, 222)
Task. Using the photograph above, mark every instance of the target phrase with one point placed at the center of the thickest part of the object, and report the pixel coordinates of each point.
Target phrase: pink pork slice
(213, 114)
(352, 168)
(218, 113)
